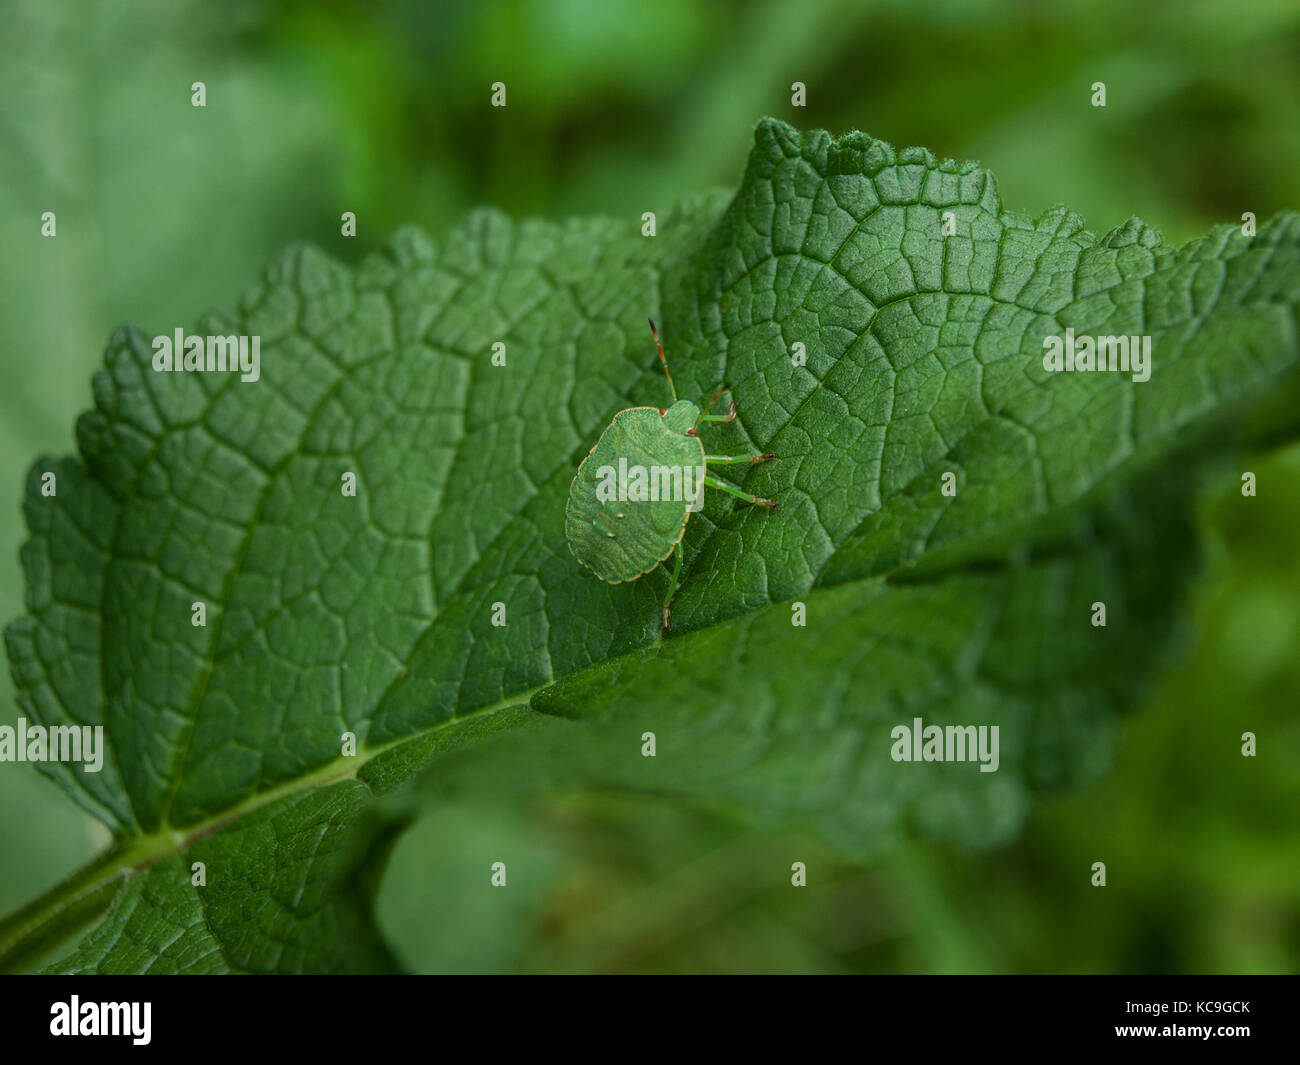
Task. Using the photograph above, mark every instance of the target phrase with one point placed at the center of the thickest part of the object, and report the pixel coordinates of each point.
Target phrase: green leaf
(372, 614)
(74, 147)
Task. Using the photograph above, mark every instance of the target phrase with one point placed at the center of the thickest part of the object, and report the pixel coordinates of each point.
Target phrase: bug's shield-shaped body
(610, 528)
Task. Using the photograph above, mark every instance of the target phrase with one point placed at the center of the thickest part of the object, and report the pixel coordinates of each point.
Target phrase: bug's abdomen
(621, 539)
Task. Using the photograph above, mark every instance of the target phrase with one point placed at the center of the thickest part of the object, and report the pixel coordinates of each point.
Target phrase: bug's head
(681, 416)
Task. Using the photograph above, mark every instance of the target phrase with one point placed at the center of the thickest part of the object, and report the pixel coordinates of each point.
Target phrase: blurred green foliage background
(314, 108)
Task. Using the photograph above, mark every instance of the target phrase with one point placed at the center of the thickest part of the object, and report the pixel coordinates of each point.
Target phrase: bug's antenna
(709, 406)
(660, 348)
(705, 416)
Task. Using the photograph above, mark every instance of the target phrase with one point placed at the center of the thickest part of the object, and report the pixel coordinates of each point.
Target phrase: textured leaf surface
(373, 614)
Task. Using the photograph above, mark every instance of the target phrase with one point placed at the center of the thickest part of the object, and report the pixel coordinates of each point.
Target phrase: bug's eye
(690, 432)
(663, 410)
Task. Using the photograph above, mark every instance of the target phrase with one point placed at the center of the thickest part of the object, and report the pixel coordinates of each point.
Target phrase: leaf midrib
(137, 853)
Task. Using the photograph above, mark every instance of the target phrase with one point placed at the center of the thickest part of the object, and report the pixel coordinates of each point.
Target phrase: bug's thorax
(681, 416)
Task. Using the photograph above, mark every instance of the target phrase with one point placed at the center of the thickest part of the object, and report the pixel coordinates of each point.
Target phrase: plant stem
(37, 928)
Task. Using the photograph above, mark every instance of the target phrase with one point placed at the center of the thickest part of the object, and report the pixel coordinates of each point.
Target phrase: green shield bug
(636, 489)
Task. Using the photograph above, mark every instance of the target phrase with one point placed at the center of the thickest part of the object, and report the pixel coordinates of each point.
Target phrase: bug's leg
(705, 416)
(672, 391)
(672, 586)
(723, 460)
(730, 416)
(713, 482)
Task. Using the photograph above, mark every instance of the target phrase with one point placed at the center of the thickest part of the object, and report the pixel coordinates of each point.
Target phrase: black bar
(860, 1016)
